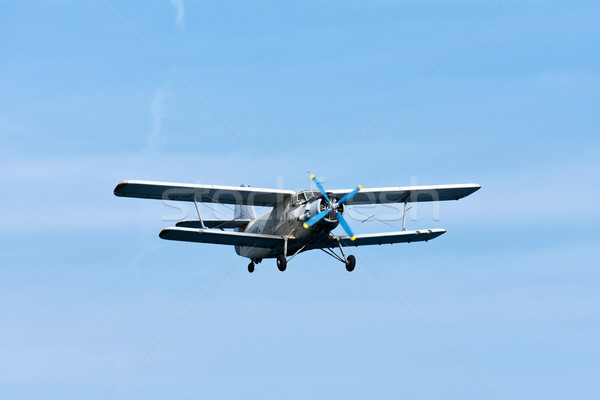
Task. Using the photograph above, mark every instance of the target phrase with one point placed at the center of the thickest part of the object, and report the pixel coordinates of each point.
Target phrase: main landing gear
(281, 262)
(253, 263)
(349, 262)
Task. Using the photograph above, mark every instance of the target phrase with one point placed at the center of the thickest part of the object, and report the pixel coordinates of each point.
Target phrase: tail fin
(243, 211)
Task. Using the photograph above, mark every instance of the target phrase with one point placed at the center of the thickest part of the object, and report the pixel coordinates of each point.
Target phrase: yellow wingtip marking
(312, 176)
(353, 238)
(305, 225)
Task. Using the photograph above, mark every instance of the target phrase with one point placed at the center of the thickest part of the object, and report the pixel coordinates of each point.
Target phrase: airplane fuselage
(286, 219)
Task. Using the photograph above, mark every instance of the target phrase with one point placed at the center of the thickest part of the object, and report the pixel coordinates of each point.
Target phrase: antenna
(309, 174)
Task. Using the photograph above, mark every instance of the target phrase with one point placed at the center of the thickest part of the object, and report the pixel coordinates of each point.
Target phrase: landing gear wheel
(251, 267)
(281, 262)
(350, 263)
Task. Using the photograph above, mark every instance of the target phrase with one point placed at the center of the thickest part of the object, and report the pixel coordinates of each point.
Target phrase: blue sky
(87, 287)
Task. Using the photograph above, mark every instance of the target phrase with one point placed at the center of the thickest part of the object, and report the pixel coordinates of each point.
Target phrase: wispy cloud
(156, 141)
(180, 13)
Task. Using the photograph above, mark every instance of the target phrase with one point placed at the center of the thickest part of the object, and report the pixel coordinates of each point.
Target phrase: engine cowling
(320, 205)
(334, 209)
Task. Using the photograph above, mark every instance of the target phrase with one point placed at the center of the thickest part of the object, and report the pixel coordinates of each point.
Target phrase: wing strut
(404, 217)
(198, 211)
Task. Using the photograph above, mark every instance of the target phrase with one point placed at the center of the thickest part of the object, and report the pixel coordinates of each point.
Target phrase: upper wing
(408, 194)
(422, 235)
(202, 193)
(222, 237)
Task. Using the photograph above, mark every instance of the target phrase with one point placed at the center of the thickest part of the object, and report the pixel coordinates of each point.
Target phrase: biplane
(295, 222)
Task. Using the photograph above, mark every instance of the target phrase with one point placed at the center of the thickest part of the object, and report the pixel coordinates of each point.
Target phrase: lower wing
(274, 241)
(222, 237)
(422, 235)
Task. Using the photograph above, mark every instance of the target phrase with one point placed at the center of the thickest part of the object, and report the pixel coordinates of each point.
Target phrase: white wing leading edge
(222, 237)
(202, 193)
(421, 235)
(409, 194)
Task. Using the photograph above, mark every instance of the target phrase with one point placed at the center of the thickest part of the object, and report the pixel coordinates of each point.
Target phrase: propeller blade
(349, 195)
(320, 188)
(315, 219)
(345, 226)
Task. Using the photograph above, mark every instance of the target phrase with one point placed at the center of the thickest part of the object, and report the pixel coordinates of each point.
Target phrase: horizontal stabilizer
(215, 223)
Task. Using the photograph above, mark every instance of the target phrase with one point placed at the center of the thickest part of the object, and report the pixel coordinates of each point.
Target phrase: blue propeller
(349, 195)
(345, 225)
(315, 219)
(314, 179)
(332, 206)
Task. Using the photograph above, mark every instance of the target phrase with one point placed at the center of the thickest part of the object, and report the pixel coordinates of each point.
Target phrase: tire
(281, 262)
(251, 267)
(350, 263)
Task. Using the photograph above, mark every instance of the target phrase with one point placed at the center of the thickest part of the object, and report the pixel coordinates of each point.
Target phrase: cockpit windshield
(308, 194)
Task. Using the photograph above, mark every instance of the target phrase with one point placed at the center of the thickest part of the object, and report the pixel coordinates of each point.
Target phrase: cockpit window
(307, 195)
